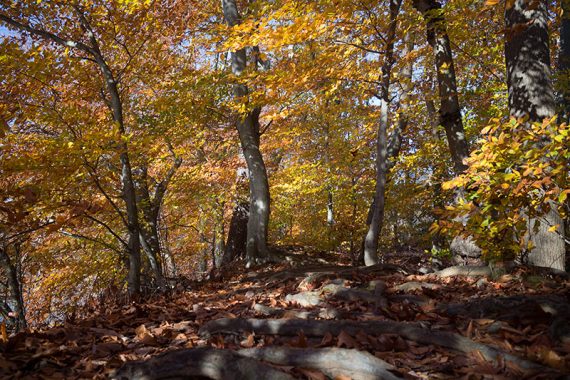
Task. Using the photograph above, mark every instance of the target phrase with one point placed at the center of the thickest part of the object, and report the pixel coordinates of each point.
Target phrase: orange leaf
(249, 342)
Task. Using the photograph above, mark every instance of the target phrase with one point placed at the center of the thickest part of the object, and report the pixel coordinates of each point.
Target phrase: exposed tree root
(466, 271)
(411, 331)
(330, 271)
(333, 362)
(201, 363)
(414, 285)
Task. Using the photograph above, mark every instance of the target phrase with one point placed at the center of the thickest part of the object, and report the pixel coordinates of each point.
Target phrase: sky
(5, 32)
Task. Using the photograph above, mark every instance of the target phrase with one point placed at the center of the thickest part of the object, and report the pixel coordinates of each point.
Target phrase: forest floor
(311, 319)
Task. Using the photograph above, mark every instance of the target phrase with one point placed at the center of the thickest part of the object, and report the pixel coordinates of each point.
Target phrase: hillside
(316, 321)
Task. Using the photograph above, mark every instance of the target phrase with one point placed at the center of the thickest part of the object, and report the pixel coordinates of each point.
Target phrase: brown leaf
(327, 340)
(301, 340)
(106, 349)
(421, 350)
(469, 332)
(384, 343)
(249, 341)
(551, 358)
(400, 344)
(144, 336)
(312, 374)
(344, 339)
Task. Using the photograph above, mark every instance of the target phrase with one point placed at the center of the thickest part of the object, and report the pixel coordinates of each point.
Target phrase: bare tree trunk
(14, 288)
(377, 215)
(564, 61)
(248, 130)
(129, 195)
(148, 230)
(237, 234)
(527, 56)
(449, 111)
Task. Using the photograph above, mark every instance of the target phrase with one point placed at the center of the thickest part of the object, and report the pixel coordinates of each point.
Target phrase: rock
(330, 313)
(481, 283)
(461, 246)
(436, 263)
(425, 270)
(249, 295)
(465, 251)
(305, 299)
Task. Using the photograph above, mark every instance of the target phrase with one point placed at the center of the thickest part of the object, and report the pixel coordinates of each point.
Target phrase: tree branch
(47, 35)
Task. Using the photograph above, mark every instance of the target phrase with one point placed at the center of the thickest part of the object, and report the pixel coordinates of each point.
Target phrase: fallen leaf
(301, 340)
(344, 339)
(144, 336)
(312, 374)
(327, 340)
(249, 341)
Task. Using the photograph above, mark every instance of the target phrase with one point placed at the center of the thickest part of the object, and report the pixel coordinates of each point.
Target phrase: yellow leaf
(552, 228)
(490, 3)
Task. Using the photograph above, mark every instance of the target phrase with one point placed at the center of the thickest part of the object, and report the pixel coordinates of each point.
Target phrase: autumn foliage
(118, 140)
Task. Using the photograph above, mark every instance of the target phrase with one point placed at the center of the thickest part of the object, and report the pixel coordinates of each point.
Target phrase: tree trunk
(377, 216)
(449, 111)
(149, 228)
(237, 234)
(527, 56)
(564, 62)
(94, 52)
(129, 194)
(14, 288)
(248, 130)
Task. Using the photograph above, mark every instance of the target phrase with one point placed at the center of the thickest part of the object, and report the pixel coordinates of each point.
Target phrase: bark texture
(527, 55)
(14, 288)
(248, 130)
(200, 363)
(449, 110)
(377, 211)
(333, 362)
(564, 61)
(237, 234)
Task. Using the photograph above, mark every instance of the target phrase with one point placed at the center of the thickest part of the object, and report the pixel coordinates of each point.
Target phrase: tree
(94, 53)
(564, 61)
(449, 110)
(377, 216)
(531, 95)
(249, 134)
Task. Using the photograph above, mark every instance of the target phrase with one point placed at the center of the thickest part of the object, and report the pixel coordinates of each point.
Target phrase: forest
(283, 189)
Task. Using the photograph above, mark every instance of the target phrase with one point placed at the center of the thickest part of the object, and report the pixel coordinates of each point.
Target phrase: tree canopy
(131, 130)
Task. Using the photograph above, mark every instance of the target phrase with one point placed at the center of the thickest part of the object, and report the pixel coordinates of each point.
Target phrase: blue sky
(6, 32)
